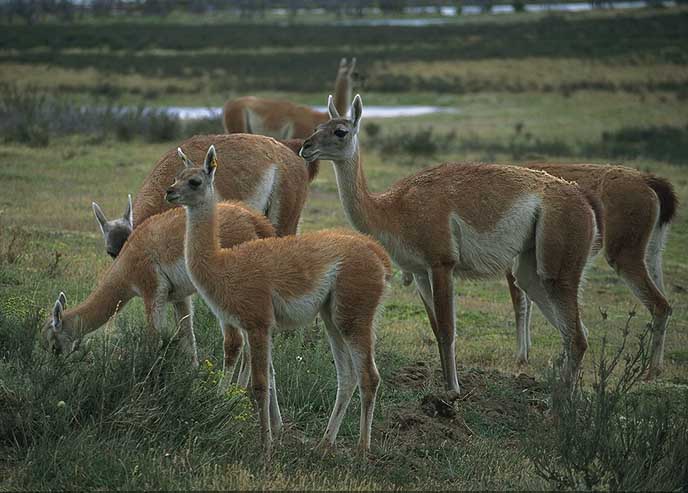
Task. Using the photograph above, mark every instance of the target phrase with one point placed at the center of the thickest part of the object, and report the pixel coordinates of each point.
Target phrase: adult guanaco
(266, 174)
(266, 284)
(150, 265)
(471, 221)
(284, 119)
(637, 211)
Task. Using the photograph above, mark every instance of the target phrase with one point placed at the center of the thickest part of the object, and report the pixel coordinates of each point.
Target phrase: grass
(136, 417)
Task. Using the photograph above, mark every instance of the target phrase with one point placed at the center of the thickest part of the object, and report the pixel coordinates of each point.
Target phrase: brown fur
(272, 284)
(156, 243)
(284, 119)
(437, 223)
(313, 166)
(245, 160)
(630, 206)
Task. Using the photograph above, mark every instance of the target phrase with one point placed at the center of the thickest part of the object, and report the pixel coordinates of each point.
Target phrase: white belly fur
(260, 199)
(295, 312)
(403, 256)
(480, 254)
(180, 286)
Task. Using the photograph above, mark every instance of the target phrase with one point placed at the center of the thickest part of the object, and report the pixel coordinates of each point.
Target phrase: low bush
(30, 117)
(664, 143)
(422, 142)
(611, 435)
(120, 408)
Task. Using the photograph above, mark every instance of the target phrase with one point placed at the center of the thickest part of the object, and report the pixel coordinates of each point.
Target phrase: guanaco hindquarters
(285, 282)
(284, 119)
(262, 172)
(637, 209)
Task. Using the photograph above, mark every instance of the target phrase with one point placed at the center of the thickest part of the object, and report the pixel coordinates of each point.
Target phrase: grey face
(115, 232)
(55, 338)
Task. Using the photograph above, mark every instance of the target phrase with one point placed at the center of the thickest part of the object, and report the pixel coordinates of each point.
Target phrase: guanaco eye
(195, 182)
(340, 133)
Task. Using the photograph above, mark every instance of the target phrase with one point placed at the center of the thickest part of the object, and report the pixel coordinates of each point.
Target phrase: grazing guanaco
(284, 119)
(266, 174)
(637, 211)
(472, 221)
(284, 282)
(150, 265)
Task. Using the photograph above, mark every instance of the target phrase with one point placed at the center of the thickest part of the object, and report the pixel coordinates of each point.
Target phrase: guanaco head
(115, 232)
(55, 337)
(336, 140)
(193, 185)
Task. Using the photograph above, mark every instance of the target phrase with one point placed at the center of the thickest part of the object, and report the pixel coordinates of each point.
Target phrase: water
(191, 112)
(446, 12)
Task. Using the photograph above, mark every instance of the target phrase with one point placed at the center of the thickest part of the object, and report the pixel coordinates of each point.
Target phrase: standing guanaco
(472, 221)
(286, 281)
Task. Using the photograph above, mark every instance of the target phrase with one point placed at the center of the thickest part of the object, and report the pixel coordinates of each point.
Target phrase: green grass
(135, 416)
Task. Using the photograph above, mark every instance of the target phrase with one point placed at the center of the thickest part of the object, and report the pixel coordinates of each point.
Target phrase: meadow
(128, 413)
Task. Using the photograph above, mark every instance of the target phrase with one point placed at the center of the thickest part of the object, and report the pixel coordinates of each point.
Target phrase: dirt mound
(415, 376)
(490, 403)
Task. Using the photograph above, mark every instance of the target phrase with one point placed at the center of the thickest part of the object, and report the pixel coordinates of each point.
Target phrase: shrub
(203, 126)
(22, 116)
(126, 400)
(612, 436)
(160, 126)
(664, 142)
(413, 143)
(31, 117)
(519, 6)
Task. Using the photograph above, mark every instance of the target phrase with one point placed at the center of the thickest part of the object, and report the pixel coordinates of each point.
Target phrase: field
(596, 87)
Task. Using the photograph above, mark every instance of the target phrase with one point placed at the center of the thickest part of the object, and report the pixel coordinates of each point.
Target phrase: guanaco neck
(342, 93)
(361, 207)
(202, 240)
(111, 294)
(147, 203)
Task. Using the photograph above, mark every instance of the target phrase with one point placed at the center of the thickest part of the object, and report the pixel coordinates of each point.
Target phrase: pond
(191, 112)
(447, 12)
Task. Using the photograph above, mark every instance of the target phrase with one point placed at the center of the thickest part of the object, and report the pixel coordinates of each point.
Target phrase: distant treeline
(276, 58)
(33, 11)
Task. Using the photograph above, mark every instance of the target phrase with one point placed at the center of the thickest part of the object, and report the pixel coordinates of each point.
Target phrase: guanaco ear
(129, 212)
(187, 162)
(342, 62)
(100, 217)
(357, 111)
(62, 299)
(57, 316)
(331, 108)
(352, 66)
(210, 163)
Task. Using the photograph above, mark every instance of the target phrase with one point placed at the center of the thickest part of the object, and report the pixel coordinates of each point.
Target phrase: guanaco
(150, 265)
(284, 119)
(470, 221)
(637, 211)
(284, 282)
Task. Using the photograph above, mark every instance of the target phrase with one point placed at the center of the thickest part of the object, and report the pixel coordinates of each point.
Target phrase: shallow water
(190, 112)
(447, 12)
